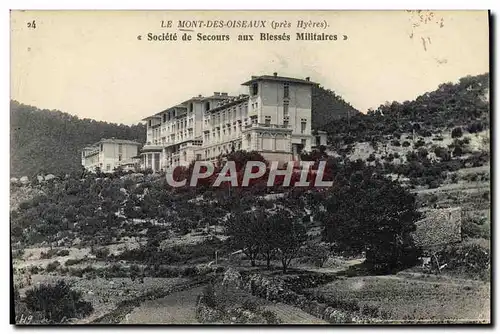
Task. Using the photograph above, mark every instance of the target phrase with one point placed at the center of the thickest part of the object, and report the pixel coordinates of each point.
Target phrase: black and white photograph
(250, 167)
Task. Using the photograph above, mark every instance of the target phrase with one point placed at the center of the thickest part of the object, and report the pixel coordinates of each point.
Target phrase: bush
(101, 253)
(457, 132)
(71, 262)
(471, 256)
(475, 228)
(52, 266)
(57, 302)
(250, 305)
(270, 317)
(17, 254)
(475, 127)
(62, 252)
(48, 255)
(395, 143)
(406, 143)
(209, 296)
(420, 142)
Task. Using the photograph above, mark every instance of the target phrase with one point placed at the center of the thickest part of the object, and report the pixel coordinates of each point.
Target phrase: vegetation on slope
(50, 141)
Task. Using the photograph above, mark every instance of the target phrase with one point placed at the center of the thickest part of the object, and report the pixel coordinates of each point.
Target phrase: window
(164, 118)
(303, 126)
(286, 91)
(191, 107)
(285, 123)
(303, 142)
(285, 109)
(268, 120)
(108, 167)
(120, 148)
(149, 122)
(207, 106)
(255, 88)
(119, 157)
(102, 148)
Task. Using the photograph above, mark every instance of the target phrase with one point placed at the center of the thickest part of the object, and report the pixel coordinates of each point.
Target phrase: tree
(456, 132)
(245, 231)
(288, 235)
(375, 215)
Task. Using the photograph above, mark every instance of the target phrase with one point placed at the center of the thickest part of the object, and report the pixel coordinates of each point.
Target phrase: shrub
(52, 266)
(62, 252)
(270, 317)
(17, 254)
(419, 143)
(49, 254)
(475, 127)
(471, 256)
(456, 132)
(101, 253)
(250, 305)
(475, 228)
(71, 262)
(209, 296)
(406, 143)
(395, 143)
(440, 152)
(57, 302)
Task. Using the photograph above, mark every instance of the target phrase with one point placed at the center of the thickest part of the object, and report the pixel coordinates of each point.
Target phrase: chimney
(216, 93)
(308, 79)
(199, 95)
(275, 74)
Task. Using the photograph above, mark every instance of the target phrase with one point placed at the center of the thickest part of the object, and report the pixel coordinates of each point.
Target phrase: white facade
(108, 154)
(273, 119)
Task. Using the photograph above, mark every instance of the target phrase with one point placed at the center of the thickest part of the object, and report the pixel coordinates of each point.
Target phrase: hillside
(49, 141)
(465, 103)
(328, 106)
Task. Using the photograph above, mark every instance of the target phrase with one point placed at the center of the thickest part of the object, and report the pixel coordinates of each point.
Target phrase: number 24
(32, 25)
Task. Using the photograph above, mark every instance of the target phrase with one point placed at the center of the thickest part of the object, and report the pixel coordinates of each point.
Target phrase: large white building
(108, 154)
(274, 118)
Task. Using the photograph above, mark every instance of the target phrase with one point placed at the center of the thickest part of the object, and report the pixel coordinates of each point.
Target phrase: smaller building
(109, 154)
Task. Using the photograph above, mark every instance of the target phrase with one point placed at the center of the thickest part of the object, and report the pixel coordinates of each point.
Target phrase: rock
(123, 190)
(77, 241)
(49, 177)
(14, 180)
(24, 180)
(40, 178)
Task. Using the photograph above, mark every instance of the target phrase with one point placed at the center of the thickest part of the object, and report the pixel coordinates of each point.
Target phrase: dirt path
(176, 308)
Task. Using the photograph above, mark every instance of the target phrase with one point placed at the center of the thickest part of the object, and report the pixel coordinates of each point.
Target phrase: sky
(91, 64)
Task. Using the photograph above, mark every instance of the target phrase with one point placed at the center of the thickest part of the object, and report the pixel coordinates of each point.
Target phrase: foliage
(52, 266)
(456, 132)
(50, 141)
(327, 106)
(382, 213)
(471, 256)
(447, 106)
(57, 302)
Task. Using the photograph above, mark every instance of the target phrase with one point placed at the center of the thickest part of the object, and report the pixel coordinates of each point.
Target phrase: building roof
(275, 77)
(118, 141)
(229, 102)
